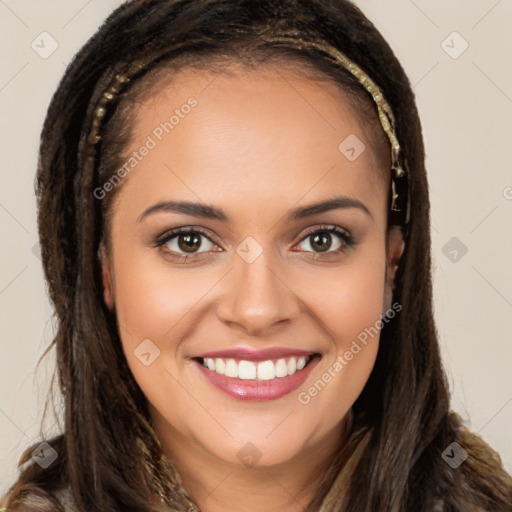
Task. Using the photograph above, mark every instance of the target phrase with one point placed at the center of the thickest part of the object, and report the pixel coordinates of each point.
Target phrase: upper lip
(248, 354)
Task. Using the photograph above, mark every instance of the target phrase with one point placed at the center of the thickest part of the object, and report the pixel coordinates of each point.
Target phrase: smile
(263, 375)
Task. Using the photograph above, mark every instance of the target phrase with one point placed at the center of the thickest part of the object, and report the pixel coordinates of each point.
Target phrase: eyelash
(348, 241)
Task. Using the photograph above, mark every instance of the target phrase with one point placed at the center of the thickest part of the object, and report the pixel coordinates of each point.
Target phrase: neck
(219, 486)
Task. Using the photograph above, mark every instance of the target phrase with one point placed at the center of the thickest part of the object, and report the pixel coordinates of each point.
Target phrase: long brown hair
(109, 455)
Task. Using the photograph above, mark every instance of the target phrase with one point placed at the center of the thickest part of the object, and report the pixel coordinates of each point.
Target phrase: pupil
(318, 239)
(189, 242)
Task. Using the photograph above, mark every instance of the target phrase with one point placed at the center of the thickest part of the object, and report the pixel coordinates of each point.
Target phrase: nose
(257, 298)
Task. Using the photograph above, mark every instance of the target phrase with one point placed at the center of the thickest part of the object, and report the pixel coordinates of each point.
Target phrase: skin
(258, 144)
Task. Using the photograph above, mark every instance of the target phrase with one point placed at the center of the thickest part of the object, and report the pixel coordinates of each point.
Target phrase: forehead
(277, 80)
(251, 131)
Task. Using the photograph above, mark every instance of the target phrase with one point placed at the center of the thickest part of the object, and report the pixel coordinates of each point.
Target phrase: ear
(108, 292)
(394, 249)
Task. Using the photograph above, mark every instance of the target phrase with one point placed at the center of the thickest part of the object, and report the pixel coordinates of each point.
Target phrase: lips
(257, 375)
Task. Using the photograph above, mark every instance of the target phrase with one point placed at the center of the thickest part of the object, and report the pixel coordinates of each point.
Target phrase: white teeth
(281, 370)
(248, 370)
(291, 366)
(219, 366)
(231, 368)
(266, 370)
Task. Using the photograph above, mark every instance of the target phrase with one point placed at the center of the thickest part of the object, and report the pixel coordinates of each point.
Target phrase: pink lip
(258, 390)
(256, 355)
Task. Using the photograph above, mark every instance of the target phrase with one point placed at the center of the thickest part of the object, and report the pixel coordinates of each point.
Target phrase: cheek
(156, 301)
(357, 306)
(348, 304)
(159, 303)
(348, 299)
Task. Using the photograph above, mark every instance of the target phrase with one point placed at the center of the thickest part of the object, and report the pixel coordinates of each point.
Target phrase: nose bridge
(256, 296)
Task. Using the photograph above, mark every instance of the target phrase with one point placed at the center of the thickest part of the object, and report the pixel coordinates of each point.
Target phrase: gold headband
(400, 205)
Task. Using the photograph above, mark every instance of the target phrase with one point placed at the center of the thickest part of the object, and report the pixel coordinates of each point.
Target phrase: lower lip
(258, 390)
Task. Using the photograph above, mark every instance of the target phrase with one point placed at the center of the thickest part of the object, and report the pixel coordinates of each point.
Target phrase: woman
(234, 223)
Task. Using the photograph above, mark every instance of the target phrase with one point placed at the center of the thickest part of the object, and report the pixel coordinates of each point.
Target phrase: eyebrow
(211, 212)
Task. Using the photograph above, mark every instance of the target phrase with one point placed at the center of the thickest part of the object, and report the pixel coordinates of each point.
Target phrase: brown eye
(185, 241)
(329, 239)
(321, 242)
(189, 242)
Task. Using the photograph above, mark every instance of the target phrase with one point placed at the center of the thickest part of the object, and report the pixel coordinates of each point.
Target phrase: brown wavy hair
(109, 456)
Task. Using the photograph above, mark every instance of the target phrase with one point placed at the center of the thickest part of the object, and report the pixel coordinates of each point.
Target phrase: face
(238, 303)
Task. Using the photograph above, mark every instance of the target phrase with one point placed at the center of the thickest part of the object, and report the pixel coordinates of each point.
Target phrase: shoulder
(40, 502)
(480, 478)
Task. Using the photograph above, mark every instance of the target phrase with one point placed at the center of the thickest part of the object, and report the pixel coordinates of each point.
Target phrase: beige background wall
(464, 97)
